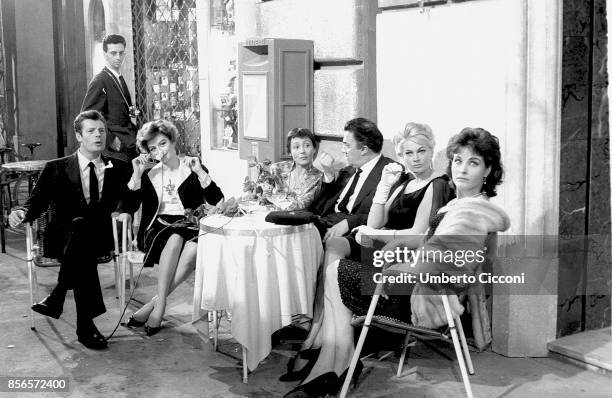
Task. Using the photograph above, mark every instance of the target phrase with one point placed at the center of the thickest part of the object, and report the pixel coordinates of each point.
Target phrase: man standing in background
(108, 94)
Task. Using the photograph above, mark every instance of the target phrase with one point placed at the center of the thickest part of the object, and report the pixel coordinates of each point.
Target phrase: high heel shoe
(356, 374)
(134, 323)
(321, 386)
(312, 354)
(152, 330)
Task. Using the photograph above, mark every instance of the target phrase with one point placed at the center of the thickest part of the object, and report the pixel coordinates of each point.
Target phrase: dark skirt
(357, 286)
(157, 236)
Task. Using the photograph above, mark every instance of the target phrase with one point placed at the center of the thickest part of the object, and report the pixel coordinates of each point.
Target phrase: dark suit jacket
(104, 95)
(59, 185)
(325, 202)
(190, 192)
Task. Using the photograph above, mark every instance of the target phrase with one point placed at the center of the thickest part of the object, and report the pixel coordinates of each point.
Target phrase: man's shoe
(49, 307)
(92, 338)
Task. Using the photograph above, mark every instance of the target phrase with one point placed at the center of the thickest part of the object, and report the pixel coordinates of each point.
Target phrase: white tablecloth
(263, 273)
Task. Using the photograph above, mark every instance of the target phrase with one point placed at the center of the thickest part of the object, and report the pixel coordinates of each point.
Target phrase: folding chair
(456, 336)
(129, 255)
(455, 328)
(35, 256)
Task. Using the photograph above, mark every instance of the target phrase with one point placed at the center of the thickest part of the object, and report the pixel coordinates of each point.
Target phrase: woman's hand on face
(140, 164)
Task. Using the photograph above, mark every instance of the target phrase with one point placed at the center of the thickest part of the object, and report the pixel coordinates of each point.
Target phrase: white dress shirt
(366, 169)
(84, 168)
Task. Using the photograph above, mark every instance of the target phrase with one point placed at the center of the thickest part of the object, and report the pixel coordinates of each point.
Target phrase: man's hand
(16, 217)
(428, 309)
(339, 229)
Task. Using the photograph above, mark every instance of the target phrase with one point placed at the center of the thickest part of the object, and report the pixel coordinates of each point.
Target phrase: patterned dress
(301, 190)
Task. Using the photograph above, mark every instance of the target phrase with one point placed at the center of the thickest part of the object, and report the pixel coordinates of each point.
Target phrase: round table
(25, 166)
(262, 272)
(28, 168)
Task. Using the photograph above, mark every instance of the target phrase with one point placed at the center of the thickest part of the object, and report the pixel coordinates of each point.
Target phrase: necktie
(126, 91)
(94, 193)
(349, 193)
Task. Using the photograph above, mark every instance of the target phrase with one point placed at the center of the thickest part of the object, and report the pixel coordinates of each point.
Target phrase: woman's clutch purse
(293, 217)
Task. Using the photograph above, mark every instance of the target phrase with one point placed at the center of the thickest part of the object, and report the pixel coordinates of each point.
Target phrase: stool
(31, 146)
(4, 150)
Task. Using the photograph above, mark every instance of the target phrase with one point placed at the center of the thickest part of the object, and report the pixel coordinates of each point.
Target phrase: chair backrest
(44, 244)
(43, 250)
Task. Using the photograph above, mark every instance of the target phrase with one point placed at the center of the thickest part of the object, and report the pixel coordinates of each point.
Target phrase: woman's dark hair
(366, 133)
(302, 133)
(483, 144)
(152, 129)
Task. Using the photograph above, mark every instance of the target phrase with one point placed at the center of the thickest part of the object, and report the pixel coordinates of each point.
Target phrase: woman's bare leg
(185, 267)
(168, 262)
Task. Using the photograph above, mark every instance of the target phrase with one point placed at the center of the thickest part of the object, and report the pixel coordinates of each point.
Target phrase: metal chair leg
(245, 369)
(129, 245)
(407, 345)
(117, 259)
(464, 345)
(457, 345)
(123, 266)
(132, 281)
(31, 273)
(2, 220)
(361, 341)
(215, 331)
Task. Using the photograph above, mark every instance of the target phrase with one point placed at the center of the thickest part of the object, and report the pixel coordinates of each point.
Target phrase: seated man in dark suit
(83, 189)
(345, 200)
(108, 94)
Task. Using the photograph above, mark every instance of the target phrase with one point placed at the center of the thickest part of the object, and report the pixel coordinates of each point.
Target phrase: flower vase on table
(267, 184)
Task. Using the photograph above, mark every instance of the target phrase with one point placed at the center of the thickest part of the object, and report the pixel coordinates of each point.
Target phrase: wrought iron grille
(166, 66)
(5, 137)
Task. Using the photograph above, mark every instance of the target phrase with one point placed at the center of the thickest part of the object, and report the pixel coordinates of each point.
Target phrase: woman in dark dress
(476, 171)
(167, 191)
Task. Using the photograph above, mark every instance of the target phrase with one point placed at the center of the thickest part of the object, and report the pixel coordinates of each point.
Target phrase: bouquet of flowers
(263, 181)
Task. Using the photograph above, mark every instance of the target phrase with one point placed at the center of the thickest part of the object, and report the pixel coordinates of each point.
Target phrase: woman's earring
(484, 181)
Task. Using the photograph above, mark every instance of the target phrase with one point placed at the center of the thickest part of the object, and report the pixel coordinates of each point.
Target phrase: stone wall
(585, 169)
(35, 76)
